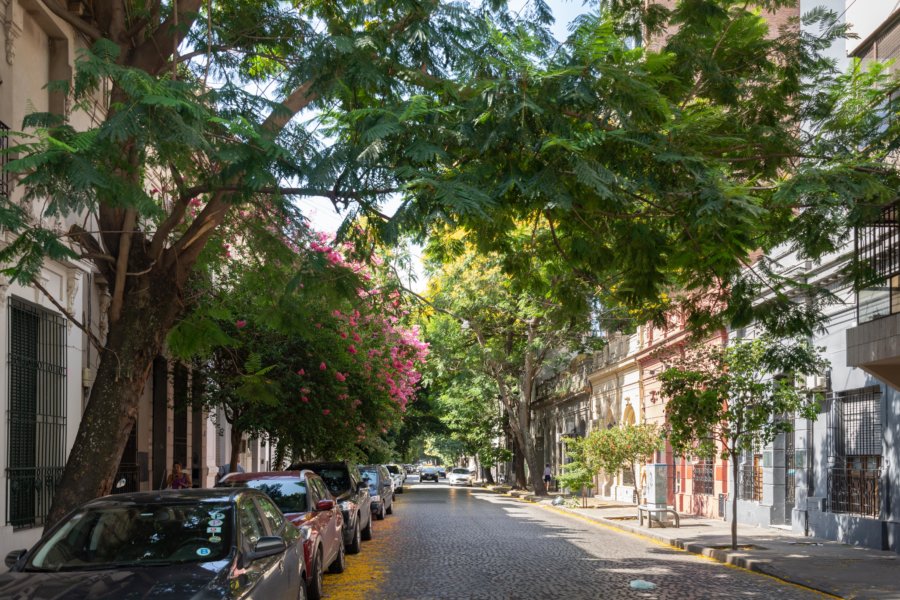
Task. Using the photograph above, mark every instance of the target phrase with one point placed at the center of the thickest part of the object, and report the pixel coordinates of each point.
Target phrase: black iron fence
(855, 491)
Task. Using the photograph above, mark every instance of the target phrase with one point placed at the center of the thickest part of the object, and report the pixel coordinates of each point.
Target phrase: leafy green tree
(734, 399)
(580, 469)
(623, 447)
(507, 329)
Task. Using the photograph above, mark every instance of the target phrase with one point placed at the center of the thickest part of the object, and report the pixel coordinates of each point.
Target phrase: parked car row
(256, 535)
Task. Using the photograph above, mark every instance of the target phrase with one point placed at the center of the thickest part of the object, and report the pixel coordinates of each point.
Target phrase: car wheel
(340, 561)
(354, 546)
(301, 592)
(400, 491)
(314, 590)
(366, 533)
(390, 509)
(380, 514)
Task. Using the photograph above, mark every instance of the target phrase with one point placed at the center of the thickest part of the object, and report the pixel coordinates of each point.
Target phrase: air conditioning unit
(815, 382)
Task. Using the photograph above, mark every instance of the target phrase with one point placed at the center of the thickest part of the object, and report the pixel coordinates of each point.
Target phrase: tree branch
(70, 316)
(82, 26)
(115, 310)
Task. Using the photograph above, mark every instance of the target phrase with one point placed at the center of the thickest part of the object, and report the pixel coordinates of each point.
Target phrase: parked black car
(343, 481)
(195, 543)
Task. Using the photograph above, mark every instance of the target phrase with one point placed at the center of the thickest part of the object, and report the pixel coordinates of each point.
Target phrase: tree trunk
(518, 465)
(133, 342)
(236, 435)
(487, 476)
(734, 499)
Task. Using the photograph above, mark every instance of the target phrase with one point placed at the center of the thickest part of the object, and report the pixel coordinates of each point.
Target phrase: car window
(250, 523)
(393, 469)
(137, 534)
(272, 515)
(289, 494)
(336, 480)
(461, 471)
(371, 475)
(324, 494)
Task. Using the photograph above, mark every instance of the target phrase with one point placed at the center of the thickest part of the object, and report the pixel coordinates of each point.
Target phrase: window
(36, 413)
(878, 264)
(752, 478)
(854, 479)
(251, 525)
(703, 477)
(272, 514)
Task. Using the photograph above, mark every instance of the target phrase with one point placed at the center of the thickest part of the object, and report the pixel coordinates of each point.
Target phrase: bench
(654, 512)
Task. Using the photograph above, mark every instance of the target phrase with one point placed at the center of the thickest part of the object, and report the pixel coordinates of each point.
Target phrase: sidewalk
(831, 567)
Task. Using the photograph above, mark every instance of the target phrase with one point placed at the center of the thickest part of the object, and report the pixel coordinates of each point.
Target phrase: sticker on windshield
(203, 551)
(214, 514)
(215, 523)
(214, 539)
(213, 530)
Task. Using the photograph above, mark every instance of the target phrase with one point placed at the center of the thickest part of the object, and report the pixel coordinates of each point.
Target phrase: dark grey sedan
(197, 544)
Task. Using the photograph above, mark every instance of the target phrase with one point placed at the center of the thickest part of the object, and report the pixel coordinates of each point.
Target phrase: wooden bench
(651, 512)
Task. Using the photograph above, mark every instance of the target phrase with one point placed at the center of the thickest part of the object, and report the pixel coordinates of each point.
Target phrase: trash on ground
(558, 501)
(640, 584)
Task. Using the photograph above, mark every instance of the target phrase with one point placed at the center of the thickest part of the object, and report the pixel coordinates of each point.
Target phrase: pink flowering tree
(311, 349)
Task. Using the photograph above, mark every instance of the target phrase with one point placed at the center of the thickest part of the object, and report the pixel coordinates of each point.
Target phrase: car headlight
(306, 532)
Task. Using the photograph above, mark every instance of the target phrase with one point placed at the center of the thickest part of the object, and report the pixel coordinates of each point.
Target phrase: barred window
(855, 428)
(36, 414)
(752, 478)
(703, 477)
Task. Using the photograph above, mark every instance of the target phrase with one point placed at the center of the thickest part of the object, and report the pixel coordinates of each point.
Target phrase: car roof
(160, 496)
(263, 475)
(313, 465)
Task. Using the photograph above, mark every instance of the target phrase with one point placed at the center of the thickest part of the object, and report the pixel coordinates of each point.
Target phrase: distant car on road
(193, 543)
(429, 474)
(442, 471)
(307, 503)
(461, 476)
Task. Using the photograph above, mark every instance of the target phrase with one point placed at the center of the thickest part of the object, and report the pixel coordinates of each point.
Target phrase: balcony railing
(877, 260)
(855, 491)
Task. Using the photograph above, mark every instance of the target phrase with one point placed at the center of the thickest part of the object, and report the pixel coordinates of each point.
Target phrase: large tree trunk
(518, 462)
(235, 449)
(134, 340)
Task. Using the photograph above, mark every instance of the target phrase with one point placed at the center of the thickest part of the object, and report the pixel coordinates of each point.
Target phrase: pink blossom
(351, 349)
(343, 335)
(304, 399)
(326, 412)
(322, 366)
(301, 372)
(340, 376)
(240, 323)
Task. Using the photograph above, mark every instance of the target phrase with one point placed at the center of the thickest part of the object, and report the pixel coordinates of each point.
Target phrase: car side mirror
(268, 545)
(13, 557)
(362, 485)
(325, 505)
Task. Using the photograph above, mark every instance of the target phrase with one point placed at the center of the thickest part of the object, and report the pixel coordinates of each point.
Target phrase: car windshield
(135, 535)
(289, 494)
(429, 470)
(461, 471)
(336, 480)
(393, 469)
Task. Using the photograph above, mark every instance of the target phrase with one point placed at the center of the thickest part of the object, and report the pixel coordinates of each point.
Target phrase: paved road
(444, 542)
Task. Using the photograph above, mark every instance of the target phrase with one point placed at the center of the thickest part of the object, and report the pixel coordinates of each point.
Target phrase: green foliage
(731, 399)
(580, 468)
(622, 447)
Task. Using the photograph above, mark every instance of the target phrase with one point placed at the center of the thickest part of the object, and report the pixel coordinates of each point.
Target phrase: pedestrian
(178, 478)
(548, 476)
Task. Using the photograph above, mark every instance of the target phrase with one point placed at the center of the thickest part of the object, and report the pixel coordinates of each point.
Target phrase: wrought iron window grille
(704, 477)
(36, 412)
(855, 431)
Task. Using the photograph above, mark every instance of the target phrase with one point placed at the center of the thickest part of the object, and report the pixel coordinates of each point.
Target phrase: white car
(398, 475)
(460, 476)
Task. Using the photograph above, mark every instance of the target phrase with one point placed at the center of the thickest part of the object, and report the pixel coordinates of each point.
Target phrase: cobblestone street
(444, 542)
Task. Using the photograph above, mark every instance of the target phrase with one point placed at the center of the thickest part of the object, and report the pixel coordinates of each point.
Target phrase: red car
(307, 503)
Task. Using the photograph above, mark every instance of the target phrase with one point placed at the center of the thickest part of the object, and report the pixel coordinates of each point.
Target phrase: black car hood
(200, 581)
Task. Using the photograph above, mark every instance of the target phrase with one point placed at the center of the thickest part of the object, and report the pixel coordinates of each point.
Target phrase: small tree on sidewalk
(579, 472)
(624, 447)
(728, 400)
